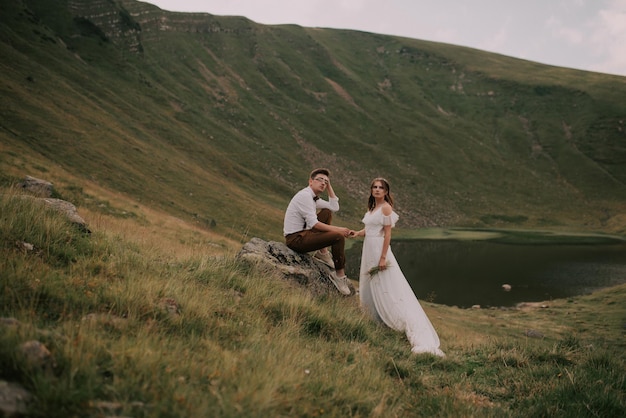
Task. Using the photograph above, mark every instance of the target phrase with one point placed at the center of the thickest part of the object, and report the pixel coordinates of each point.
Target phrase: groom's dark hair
(317, 171)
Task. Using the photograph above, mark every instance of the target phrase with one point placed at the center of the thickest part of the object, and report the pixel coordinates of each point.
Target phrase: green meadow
(242, 341)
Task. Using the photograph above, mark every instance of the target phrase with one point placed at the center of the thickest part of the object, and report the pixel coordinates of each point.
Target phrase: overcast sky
(583, 34)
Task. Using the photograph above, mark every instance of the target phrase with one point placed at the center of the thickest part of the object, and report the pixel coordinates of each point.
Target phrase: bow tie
(315, 198)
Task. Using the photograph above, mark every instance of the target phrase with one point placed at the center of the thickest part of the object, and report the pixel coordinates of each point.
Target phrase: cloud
(351, 5)
(558, 30)
(608, 38)
(498, 40)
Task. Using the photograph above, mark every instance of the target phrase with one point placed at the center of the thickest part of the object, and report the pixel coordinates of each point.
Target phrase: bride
(384, 291)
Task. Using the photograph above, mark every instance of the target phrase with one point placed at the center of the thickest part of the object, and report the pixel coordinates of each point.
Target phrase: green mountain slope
(218, 120)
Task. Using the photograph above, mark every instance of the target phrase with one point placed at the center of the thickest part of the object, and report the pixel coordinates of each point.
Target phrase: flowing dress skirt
(388, 297)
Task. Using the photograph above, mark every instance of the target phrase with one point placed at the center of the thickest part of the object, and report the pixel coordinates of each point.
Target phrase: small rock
(105, 406)
(506, 287)
(170, 306)
(25, 246)
(9, 322)
(37, 355)
(14, 399)
(106, 320)
(531, 333)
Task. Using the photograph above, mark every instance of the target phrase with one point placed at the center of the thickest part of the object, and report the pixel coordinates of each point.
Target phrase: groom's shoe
(341, 283)
(325, 258)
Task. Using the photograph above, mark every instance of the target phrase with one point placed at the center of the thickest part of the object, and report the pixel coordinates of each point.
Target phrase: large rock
(69, 210)
(64, 207)
(301, 268)
(42, 190)
(36, 187)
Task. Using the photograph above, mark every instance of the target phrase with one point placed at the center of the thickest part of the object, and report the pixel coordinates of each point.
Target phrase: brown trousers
(311, 240)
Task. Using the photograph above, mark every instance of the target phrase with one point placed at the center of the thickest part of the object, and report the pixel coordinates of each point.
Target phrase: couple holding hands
(383, 290)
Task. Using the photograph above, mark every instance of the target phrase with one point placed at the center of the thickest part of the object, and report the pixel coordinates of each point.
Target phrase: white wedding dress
(387, 295)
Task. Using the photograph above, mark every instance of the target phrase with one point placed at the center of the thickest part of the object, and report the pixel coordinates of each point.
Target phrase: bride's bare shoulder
(387, 209)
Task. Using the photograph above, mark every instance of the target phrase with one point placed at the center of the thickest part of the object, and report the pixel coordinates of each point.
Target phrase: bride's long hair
(371, 203)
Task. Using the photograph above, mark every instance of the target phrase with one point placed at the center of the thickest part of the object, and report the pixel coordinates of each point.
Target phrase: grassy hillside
(145, 327)
(218, 121)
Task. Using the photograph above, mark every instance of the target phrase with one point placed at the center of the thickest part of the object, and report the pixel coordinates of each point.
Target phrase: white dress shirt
(301, 213)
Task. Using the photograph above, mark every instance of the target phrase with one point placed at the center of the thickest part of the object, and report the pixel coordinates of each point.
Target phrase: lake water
(467, 273)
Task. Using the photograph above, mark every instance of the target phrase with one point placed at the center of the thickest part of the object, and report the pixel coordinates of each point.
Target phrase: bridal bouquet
(374, 270)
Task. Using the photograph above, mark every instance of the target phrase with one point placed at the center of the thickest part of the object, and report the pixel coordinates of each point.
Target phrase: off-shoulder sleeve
(391, 219)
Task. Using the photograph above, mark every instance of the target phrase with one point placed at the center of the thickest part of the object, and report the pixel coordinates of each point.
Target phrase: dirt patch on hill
(341, 92)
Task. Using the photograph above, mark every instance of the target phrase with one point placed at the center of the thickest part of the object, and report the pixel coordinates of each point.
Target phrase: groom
(306, 231)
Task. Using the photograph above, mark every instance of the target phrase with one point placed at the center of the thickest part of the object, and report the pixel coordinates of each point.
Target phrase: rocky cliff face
(111, 18)
(129, 22)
